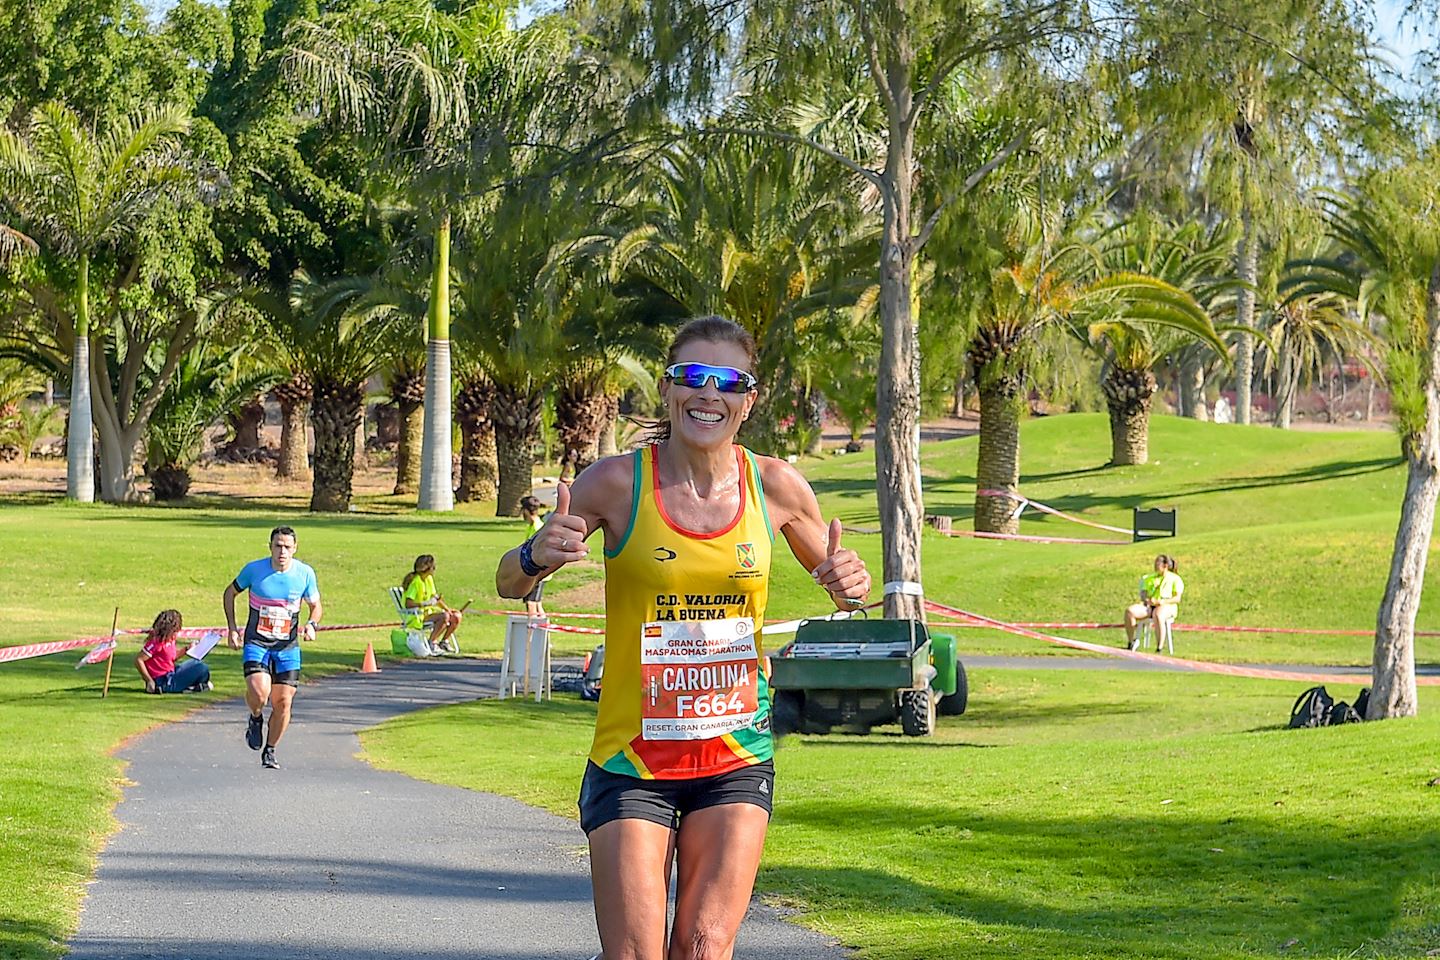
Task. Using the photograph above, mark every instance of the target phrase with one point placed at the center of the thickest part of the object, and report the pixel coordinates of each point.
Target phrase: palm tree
(756, 233)
(512, 330)
(207, 384)
(1388, 264)
(440, 94)
(1166, 277)
(78, 191)
(337, 344)
(1304, 333)
(1032, 286)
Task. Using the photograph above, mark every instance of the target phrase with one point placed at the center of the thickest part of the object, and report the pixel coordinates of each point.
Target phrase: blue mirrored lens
(694, 375)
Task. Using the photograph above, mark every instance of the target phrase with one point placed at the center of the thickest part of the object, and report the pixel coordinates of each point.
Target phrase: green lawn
(1068, 814)
(1276, 528)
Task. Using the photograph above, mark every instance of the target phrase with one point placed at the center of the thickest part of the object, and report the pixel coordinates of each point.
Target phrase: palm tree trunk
(294, 461)
(245, 424)
(79, 438)
(478, 469)
(1393, 667)
(516, 413)
(336, 411)
(408, 450)
(608, 445)
(436, 492)
(998, 465)
(1192, 389)
(581, 409)
(1245, 315)
(1289, 382)
(1127, 396)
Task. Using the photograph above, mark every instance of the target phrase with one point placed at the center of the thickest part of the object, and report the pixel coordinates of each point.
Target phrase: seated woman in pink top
(156, 660)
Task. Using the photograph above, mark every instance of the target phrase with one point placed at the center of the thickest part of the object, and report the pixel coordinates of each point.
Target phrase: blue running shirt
(275, 600)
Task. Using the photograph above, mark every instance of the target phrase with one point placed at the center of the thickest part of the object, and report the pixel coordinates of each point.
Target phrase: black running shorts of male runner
(606, 796)
(537, 594)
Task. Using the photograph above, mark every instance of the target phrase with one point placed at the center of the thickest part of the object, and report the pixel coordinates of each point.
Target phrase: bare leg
(452, 623)
(280, 697)
(1133, 615)
(630, 872)
(719, 852)
(257, 691)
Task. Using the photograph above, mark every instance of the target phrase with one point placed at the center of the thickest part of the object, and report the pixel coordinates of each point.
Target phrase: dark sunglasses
(694, 375)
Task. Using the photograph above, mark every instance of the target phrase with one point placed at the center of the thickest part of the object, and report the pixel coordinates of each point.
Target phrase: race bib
(274, 623)
(700, 678)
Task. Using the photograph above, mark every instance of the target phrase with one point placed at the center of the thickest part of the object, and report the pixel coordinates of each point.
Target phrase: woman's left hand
(842, 572)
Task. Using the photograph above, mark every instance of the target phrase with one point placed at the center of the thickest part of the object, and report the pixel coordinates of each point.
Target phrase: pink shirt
(162, 656)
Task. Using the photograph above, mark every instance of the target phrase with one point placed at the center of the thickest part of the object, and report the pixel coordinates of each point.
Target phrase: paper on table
(200, 647)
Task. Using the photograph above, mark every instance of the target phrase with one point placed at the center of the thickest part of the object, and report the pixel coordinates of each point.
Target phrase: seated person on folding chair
(428, 609)
(1160, 594)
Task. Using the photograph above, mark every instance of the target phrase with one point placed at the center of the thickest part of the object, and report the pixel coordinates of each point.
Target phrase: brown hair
(712, 329)
(167, 624)
(423, 563)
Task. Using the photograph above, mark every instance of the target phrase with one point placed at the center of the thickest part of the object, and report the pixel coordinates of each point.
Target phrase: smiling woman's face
(704, 417)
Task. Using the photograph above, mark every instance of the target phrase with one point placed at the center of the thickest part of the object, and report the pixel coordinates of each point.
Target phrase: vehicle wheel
(785, 713)
(954, 704)
(917, 712)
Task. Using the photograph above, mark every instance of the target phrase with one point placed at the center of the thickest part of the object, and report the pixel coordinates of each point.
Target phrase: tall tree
(1263, 98)
(442, 95)
(1389, 264)
(904, 67)
(80, 191)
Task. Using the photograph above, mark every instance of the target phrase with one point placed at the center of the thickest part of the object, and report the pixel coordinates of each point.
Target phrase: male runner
(277, 584)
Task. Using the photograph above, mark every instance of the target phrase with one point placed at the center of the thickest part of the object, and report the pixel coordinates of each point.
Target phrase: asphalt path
(219, 859)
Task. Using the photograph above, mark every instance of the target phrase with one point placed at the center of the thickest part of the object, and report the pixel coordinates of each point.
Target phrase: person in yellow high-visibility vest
(1160, 594)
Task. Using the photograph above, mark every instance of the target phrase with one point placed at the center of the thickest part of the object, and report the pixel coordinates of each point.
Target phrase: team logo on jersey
(665, 553)
(745, 555)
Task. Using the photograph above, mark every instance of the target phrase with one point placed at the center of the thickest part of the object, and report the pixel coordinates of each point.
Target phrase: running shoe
(267, 759)
(254, 733)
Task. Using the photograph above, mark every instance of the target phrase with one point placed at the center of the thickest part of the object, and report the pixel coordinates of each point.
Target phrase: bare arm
(598, 499)
(227, 600)
(316, 612)
(795, 511)
(140, 665)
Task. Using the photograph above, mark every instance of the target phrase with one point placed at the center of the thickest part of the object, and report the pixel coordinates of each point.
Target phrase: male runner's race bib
(274, 623)
(699, 678)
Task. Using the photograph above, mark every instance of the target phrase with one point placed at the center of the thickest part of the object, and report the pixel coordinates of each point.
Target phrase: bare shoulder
(604, 489)
(787, 492)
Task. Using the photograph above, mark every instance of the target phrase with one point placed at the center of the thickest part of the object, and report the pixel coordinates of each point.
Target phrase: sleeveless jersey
(683, 695)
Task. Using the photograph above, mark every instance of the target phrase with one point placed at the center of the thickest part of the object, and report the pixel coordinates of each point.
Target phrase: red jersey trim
(660, 501)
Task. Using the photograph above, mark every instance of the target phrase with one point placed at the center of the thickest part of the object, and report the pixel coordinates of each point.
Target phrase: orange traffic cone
(368, 666)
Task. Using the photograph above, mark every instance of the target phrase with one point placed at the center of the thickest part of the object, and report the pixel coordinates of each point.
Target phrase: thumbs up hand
(842, 572)
(562, 539)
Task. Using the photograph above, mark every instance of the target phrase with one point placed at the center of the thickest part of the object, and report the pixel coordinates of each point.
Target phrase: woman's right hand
(562, 539)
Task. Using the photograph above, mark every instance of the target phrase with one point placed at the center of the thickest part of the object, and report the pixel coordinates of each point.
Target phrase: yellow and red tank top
(684, 695)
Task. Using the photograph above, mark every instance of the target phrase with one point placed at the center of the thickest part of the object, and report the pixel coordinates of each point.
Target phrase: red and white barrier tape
(1192, 627)
(1044, 508)
(27, 650)
(1029, 538)
(1198, 666)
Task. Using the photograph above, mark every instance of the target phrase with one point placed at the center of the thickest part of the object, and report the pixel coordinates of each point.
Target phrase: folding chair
(415, 640)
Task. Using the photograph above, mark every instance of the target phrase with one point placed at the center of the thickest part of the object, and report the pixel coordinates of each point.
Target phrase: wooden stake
(110, 660)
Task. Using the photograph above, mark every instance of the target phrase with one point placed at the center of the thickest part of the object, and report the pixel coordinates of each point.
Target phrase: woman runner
(680, 768)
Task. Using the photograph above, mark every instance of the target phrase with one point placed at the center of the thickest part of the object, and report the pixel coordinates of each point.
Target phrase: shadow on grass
(1125, 886)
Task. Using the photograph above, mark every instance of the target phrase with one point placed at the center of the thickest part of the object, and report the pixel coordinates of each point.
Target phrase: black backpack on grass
(1312, 709)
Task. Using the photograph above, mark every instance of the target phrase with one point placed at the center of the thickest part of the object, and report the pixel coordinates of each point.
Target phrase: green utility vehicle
(860, 673)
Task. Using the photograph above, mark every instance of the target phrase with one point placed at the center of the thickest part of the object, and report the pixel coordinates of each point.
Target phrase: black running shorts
(537, 594)
(608, 796)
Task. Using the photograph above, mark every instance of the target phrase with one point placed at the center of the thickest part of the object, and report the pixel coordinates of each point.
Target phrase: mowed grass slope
(1069, 814)
(1277, 528)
